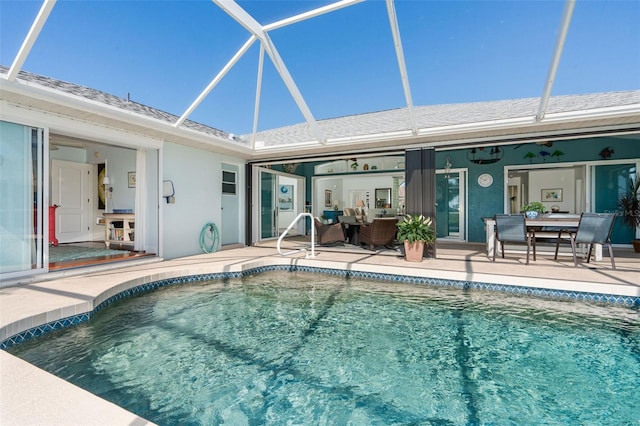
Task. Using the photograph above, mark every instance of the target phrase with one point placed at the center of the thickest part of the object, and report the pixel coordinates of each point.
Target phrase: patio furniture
(513, 229)
(351, 227)
(540, 225)
(380, 232)
(593, 228)
(329, 234)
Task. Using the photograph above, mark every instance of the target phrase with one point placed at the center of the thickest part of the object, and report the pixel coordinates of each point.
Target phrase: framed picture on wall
(285, 198)
(132, 179)
(327, 198)
(553, 194)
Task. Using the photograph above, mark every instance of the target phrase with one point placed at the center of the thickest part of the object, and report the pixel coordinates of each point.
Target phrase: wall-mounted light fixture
(447, 167)
(107, 185)
(168, 191)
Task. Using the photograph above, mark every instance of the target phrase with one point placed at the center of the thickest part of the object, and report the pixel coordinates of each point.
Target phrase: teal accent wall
(485, 202)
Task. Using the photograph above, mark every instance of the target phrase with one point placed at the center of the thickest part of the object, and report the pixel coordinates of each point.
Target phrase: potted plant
(415, 231)
(630, 206)
(533, 209)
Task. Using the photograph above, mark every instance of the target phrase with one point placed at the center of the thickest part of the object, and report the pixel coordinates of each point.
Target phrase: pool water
(298, 348)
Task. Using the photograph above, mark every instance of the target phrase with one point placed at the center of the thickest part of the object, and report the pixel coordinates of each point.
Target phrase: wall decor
(289, 167)
(484, 155)
(606, 153)
(485, 180)
(132, 179)
(554, 194)
(285, 197)
(102, 196)
(327, 198)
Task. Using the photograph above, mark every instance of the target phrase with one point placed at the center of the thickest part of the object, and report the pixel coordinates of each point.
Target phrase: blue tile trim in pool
(406, 279)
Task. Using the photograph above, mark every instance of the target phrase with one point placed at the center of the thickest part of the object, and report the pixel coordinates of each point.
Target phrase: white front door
(71, 192)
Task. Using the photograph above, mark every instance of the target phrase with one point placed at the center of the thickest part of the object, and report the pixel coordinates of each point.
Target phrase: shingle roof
(359, 125)
(114, 101)
(431, 116)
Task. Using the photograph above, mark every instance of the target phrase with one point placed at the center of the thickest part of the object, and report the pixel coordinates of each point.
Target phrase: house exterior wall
(485, 202)
(197, 179)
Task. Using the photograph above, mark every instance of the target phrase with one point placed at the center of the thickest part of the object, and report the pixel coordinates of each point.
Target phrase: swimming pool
(307, 348)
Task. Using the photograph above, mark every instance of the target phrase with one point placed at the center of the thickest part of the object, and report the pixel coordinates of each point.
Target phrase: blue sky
(164, 53)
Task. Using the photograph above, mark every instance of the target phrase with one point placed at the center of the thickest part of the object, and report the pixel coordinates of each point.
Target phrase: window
(228, 182)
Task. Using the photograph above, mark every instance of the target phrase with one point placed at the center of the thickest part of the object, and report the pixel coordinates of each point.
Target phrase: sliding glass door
(268, 205)
(23, 218)
(450, 205)
(610, 182)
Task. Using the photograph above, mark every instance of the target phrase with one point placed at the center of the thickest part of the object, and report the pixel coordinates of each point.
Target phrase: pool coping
(29, 327)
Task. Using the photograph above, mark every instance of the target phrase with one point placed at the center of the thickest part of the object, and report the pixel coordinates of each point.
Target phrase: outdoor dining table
(556, 221)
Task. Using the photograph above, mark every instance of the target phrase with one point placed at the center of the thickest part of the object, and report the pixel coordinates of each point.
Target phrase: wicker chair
(330, 234)
(380, 232)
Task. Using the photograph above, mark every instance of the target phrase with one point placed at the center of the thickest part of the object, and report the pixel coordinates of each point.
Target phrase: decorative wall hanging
(554, 194)
(132, 179)
(544, 154)
(285, 198)
(102, 195)
(447, 167)
(484, 155)
(290, 167)
(327, 198)
(606, 153)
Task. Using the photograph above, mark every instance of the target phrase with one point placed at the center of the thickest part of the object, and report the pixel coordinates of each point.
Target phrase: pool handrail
(313, 237)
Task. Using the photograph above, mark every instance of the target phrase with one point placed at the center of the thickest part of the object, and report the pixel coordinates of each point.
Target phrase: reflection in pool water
(312, 349)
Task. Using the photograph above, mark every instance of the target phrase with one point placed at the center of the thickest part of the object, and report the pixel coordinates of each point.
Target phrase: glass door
(450, 206)
(268, 204)
(610, 182)
(23, 213)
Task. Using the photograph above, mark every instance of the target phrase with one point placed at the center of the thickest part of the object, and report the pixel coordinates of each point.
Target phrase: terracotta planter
(413, 252)
(636, 245)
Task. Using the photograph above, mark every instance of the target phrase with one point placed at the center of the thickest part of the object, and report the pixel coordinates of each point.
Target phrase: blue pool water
(296, 348)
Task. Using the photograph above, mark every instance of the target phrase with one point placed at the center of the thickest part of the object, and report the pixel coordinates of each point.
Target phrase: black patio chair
(593, 228)
(512, 228)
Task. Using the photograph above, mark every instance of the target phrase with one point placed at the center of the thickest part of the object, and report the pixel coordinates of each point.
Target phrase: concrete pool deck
(29, 395)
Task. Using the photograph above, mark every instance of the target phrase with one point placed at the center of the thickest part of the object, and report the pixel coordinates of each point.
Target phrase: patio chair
(512, 228)
(348, 211)
(380, 232)
(328, 234)
(347, 219)
(593, 228)
(361, 215)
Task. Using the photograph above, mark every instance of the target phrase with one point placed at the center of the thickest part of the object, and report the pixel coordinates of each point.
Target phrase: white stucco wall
(197, 179)
(563, 179)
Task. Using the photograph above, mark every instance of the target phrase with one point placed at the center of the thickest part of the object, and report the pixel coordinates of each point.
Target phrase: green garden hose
(209, 238)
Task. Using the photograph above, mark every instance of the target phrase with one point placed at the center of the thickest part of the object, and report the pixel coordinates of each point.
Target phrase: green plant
(534, 206)
(416, 228)
(630, 204)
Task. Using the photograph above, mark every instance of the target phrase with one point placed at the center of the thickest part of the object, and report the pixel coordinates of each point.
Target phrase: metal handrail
(313, 237)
